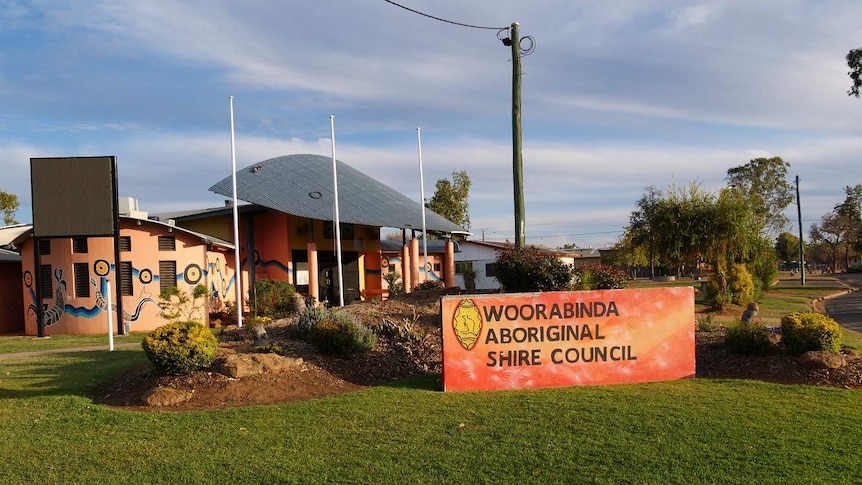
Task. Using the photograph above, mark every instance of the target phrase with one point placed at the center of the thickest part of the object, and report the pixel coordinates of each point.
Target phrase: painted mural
(102, 268)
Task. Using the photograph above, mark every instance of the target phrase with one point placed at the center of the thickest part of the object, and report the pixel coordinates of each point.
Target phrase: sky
(616, 96)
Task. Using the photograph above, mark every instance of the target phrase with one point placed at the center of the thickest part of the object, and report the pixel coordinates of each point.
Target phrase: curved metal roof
(301, 185)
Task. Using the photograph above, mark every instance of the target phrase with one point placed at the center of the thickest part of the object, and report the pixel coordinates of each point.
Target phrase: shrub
(269, 349)
(740, 284)
(275, 299)
(391, 278)
(706, 323)
(307, 320)
(801, 332)
(529, 269)
(600, 277)
(430, 285)
(176, 304)
(763, 265)
(747, 339)
(715, 296)
(180, 347)
(341, 334)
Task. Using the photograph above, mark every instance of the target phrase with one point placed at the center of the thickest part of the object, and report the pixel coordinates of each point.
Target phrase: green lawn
(687, 431)
(9, 344)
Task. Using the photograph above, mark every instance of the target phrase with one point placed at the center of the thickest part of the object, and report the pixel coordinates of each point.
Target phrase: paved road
(847, 309)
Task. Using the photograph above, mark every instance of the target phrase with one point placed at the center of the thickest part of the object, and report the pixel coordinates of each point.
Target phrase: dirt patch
(409, 344)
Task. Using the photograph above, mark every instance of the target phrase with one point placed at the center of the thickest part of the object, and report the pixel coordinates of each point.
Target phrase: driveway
(847, 309)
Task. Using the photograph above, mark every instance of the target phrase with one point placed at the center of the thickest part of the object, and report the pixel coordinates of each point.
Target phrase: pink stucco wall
(69, 313)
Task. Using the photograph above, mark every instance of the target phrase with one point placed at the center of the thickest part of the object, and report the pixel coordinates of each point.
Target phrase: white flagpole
(337, 222)
(422, 202)
(237, 274)
(110, 312)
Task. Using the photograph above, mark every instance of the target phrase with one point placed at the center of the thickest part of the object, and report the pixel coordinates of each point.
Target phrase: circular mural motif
(101, 267)
(429, 267)
(28, 278)
(192, 274)
(145, 276)
(384, 262)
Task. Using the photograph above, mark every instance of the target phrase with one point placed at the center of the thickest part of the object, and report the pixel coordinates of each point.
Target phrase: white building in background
(481, 257)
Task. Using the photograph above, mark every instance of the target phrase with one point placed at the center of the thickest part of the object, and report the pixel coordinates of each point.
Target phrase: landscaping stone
(166, 396)
(244, 365)
(818, 359)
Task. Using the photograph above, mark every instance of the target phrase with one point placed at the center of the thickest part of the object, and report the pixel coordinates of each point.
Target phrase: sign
(74, 196)
(551, 339)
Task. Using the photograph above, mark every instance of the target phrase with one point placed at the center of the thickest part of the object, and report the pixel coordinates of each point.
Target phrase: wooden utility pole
(517, 157)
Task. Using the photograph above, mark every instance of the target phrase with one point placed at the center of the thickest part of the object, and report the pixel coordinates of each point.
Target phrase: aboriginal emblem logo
(467, 323)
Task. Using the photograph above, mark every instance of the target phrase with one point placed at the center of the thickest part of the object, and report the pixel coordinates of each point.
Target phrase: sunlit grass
(686, 431)
(9, 344)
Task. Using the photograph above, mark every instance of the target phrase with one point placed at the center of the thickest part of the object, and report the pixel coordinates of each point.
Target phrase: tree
(8, 206)
(787, 247)
(854, 62)
(640, 231)
(450, 198)
(763, 184)
(831, 232)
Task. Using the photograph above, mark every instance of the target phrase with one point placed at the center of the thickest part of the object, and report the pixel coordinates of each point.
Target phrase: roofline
(205, 238)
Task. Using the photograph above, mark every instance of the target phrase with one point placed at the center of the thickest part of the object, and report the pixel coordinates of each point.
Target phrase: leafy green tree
(627, 255)
(787, 247)
(763, 184)
(450, 198)
(641, 232)
(854, 62)
(8, 206)
(830, 231)
(688, 227)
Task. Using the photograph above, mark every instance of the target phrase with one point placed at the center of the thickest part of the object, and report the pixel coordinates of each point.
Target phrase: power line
(444, 20)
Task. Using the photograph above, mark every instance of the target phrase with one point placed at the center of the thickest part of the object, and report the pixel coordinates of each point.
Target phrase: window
(82, 280)
(79, 245)
(167, 275)
(45, 247)
(126, 278)
(167, 243)
(491, 269)
(347, 231)
(460, 265)
(437, 267)
(125, 243)
(46, 283)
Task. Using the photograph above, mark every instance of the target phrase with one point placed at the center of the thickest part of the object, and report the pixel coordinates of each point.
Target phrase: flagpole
(422, 203)
(237, 274)
(337, 222)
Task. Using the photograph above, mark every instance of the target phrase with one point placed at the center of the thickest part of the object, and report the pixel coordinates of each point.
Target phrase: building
(75, 275)
(11, 295)
(287, 230)
(478, 259)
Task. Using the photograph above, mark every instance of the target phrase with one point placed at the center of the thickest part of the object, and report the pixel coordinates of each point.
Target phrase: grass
(11, 344)
(686, 431)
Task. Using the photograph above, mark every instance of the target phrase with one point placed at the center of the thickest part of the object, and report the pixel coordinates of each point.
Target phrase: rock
(850, 354)
(259, 335)
(244, 365)
(750, 312)
(818, 359)
(166, 396)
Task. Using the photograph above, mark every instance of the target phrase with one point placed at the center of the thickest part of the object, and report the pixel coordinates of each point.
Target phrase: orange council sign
(534, 340)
